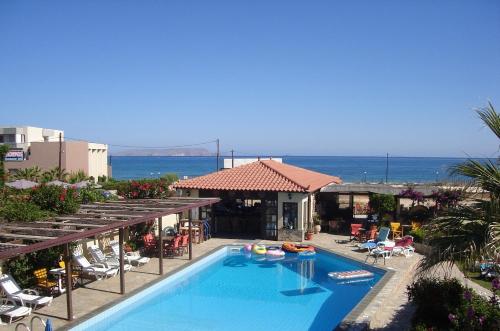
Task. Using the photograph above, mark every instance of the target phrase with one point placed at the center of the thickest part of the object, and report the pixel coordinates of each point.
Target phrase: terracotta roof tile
(266, 175)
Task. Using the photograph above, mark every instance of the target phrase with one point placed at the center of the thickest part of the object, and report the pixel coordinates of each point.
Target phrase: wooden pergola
(92, 220)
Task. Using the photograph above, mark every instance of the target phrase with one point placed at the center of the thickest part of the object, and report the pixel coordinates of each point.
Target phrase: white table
(60, 273)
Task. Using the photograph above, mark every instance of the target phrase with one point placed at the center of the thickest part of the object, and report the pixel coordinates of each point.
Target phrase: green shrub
(21, 269)
(382, 203)
(21, 211)
(434, 299)
(418, 235)
(89, 195)
(55, 198)
(445, 304)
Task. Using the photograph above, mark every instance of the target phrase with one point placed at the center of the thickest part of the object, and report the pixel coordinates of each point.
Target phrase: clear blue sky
(282, 77)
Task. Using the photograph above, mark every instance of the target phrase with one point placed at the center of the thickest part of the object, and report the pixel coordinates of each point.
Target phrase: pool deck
(388, 309)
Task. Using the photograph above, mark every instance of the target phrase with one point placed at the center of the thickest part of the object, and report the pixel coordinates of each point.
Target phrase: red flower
(62, 197)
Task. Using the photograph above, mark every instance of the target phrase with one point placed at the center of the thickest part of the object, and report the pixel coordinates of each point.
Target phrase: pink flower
(470, 312)
(468, 295)
(495, 283)
(481, 320)
(451, 317)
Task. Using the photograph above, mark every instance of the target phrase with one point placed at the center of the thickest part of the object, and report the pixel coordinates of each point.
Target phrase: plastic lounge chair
(26, 297)
(9, 308)
(43, 283)
(381, 239)
(130, 258)
(97, 270)
(403, 247)
(111, 262)
(355, 230)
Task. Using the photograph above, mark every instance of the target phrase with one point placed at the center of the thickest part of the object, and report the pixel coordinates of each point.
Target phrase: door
(290, 215)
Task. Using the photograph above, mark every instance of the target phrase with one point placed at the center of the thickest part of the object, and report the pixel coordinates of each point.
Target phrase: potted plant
(317, 224)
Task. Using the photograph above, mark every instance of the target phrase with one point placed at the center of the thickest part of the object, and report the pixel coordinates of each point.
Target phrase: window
(290, 212)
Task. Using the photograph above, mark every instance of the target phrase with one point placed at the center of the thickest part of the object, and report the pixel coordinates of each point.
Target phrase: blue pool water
(233, 291)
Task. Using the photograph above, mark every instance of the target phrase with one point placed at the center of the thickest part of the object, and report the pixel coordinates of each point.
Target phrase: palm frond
(483, 174)
(490, 118)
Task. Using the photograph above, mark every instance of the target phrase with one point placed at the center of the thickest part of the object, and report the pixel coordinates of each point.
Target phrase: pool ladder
(30, 328)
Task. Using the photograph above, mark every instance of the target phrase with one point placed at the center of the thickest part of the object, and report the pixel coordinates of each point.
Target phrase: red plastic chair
(355, 230)
(150, 243)
(174, 248)
(185, 242)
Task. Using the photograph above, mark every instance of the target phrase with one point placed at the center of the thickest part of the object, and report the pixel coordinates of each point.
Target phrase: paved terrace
(389, 309)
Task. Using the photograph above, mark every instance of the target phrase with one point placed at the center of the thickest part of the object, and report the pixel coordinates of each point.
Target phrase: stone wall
(290, 235)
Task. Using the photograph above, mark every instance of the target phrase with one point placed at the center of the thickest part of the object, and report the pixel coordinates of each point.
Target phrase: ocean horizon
(355, 169)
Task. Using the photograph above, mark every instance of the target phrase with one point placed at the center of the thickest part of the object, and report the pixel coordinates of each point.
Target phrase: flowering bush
(446, 198)
(55, 198)
(414, 196)
(146, 188)
(444, 304)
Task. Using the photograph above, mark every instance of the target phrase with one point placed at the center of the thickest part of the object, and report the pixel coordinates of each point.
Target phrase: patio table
(60, 273)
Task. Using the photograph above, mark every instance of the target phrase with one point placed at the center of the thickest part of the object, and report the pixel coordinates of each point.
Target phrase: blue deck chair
(381, 238)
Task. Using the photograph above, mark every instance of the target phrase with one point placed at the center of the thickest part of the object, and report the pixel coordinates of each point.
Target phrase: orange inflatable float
(293, 248)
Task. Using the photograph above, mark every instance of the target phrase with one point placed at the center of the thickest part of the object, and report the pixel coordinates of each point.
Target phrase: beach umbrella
(59, 183)
(22, 184)
(48, 325)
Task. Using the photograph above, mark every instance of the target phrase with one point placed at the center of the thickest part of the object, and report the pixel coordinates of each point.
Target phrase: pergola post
(122, 268)
(398, 206)
(69, 282)
(190, 222)
(160, 244)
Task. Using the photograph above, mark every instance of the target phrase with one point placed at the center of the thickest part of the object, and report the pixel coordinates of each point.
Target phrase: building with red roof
(263, 199)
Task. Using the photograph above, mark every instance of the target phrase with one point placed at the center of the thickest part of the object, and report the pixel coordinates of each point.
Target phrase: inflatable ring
(275, 253)
(258, 249)
(293, 248)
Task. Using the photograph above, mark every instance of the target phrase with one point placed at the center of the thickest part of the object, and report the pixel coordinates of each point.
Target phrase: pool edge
(349, 322)
(126, 296)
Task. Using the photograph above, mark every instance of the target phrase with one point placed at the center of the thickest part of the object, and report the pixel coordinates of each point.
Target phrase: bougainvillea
(414, 196)
(446, 198)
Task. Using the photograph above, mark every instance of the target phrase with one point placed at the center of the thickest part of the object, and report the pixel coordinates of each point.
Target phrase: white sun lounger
(111, 262)
(130, 258)
(98, 270)
(9, 308)
(27, 297)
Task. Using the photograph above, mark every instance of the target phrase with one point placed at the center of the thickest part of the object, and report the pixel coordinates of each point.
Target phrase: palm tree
(32, 173)
(78, 176)
(470, 232)
(54, 174)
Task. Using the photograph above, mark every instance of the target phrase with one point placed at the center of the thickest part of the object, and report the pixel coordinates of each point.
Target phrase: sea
(352, 169)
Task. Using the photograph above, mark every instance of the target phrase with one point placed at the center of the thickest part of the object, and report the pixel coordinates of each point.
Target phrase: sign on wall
(14, 155)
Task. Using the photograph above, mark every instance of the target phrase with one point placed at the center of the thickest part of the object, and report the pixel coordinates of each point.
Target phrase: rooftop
(264, 175)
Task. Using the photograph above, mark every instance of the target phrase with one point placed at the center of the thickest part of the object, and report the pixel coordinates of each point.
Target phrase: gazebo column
(160, 244)
(122, 268)
(69, 282)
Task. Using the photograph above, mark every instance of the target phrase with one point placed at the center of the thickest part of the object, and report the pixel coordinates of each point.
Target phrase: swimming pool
(231, 290)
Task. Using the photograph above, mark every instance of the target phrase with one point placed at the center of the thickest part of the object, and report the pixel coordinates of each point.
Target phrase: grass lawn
(475, 276)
